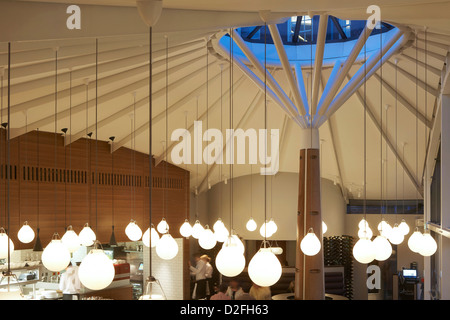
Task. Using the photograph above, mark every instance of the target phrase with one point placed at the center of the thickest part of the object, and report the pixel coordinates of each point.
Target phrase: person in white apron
(70, 284)
(200, 278)
(208, 273)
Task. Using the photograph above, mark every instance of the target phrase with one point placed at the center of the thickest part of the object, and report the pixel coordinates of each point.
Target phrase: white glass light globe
(276, 250)
(385, 229)
(26, 233)
(310, 244)
(70, 240)
(428, 246)
(96, 270)
(207, 240)
(197, 230)
(56, 256)
(230, 261)
(146, 237)
(363, 223)
(87, 236)
(404, 228)
(4, 246)
(167, 247)
(264, 269)
(218, 224)
(364, 251)
(264, 231)
(272, 226)
(133, 232)
(324, 227)
(415, 241)
(383, 248)
(251, 225)
(163, 226)
(186, 229)
(221, 234)
(365, 233)
(396, 236)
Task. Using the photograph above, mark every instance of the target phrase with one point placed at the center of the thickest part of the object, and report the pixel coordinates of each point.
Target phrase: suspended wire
(96, 135)
(417, 121)
(381, 128)
(1, 120)
(70, 147)
(231, 127)
(9, 155)
(365, 133)
(396, 140)
(150, 157)
(265, 127)
(55, 176)
(166, 194)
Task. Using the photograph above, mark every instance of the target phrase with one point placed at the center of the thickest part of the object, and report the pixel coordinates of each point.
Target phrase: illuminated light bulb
(218, 224)
(186, 229)
(264, 268)
(197, 230)
(385, 229)
(71, 240)
(96, 270)
(310, 244)
(207, 240)
(154, 235)
(4, 244)
(415, 241)
(396, 236)
(383, 248)
(276, 250)
(133, 232)
(251, 225)
(404, 228)
(163, 226)
(364, 250)
(428, 245)
(56, 256)
(87, 236)
(363, 224)
(26, 233)
(324, 227)
(365, 233)
(272, 227)
(167, 247)
(264, 231)
(230, 261)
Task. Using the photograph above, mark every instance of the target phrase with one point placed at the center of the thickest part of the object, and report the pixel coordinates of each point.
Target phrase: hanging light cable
(87, 235)
(167, 247)
(363, 250)
(37, 244)
(112, 239)
(197, 229)
(186, 228)
(26, 233)
(56, 256)
(264, 268)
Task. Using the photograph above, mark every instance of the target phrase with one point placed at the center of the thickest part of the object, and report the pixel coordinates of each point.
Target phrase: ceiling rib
(318, 59)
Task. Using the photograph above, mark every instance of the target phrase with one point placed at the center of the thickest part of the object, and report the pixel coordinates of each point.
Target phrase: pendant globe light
(37, 244)
(251, 225)
(365, 233)
(364, 249)
(324, 225)
(383, 248)
(163, 226)
(87, 235)
(167, 247)
(70, 240)
(26, 233)
(230, 260)
(310, 244)
(404, 228)
(428, 245)
(150, 12)
(6, 244)
(150, 232)
(264, 230)
(384, 228)
(415, 241)
(220, 231)
(112, 238)
(207, 239)
(264, 268)
(271, 225)
(56, 256)
(96, 270)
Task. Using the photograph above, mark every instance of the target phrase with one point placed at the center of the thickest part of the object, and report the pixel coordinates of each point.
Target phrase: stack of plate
(50, 294)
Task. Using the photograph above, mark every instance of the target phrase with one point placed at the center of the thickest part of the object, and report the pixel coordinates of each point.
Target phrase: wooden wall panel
(74, 201)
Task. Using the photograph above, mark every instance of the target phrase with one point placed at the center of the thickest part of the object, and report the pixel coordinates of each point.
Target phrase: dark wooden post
(309, 276)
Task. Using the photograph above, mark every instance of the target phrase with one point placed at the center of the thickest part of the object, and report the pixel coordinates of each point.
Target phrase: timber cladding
(68, 192)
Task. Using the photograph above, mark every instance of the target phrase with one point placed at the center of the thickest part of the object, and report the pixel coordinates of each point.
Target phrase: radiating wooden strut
(309, 276)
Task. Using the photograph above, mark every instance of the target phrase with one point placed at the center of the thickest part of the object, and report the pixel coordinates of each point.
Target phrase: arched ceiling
(123, 70)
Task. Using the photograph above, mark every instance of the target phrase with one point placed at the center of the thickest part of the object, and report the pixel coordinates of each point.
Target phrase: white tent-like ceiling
(191, 26)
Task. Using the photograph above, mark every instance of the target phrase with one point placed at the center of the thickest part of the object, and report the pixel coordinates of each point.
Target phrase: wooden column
(309, 276)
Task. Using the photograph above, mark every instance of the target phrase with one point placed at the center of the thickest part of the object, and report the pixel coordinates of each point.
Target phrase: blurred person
(221, 295)
(199, 271)
(260, 293)
(234, 289)
(70, 284)
(208, 273)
